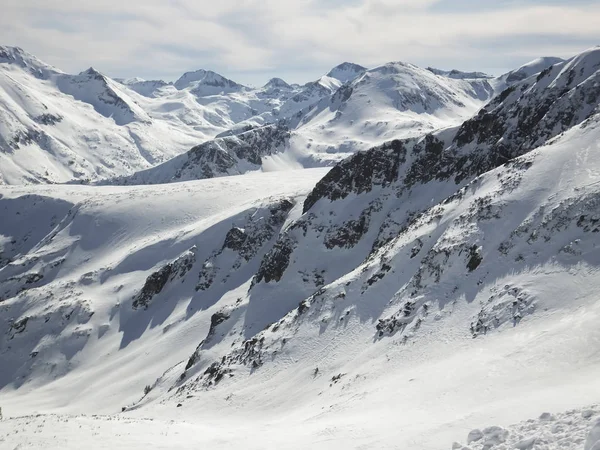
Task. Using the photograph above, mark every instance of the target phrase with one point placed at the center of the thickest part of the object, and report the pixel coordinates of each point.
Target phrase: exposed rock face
(244, 243)
(215, 320)
(156, 282)
(275, 262)
(358, 174)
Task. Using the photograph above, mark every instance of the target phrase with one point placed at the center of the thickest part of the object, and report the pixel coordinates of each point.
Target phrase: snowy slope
(147, 88)
(72, 254)
(531, 68)
(485, 287)
(318, 309)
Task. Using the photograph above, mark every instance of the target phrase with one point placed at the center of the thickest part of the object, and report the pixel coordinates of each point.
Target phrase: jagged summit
(92, 72)
(27, 61)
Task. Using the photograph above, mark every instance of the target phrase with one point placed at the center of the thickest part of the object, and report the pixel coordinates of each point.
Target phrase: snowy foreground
(573, 430)
(425, 393)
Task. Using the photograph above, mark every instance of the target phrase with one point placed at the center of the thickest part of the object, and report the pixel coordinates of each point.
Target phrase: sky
(251, 41)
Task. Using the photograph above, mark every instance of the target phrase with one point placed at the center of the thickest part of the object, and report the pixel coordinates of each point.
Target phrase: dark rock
(475, 258)
(360, 173)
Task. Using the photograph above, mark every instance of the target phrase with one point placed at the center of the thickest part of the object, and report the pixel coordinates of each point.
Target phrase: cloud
(253, 39)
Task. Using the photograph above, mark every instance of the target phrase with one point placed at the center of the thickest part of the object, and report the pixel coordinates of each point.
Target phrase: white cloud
(245, 37)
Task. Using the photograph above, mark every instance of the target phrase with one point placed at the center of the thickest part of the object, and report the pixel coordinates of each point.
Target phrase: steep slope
(476, 286)
(485, 286)
(84, 268)
(531, 68)
(104, 95)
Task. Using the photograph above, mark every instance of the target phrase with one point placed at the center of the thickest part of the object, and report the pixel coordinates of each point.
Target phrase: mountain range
(387, 257)
(58, 127)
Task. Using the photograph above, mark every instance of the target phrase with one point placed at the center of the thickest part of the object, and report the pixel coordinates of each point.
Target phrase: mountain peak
(346, 72)
(25, 60)
(91, 71)
(206, 78)
(277, 83)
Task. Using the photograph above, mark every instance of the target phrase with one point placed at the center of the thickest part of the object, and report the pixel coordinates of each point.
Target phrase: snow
(231, 312)
(57, 127)
(346, 72)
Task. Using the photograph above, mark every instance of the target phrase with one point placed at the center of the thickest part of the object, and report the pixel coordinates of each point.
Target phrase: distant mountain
(135, 124)
(529, 69)
(276, 83)
(346, 72)
(16, 56)
(206, 82)
(147, 88)
(325, 121)
(105, 95)
(57, 127)
(457, 74)
(227, 155)
(395, 100)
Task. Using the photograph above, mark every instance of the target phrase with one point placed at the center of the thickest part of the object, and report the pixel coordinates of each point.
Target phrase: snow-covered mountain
(346, 72)
(56, 127)
(410, 296)
(531, 68)
(134, 125)
(227, 155)
(393, 101)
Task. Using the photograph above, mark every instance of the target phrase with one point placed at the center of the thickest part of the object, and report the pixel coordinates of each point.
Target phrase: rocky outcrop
(231, 154)
(157, 281)
(360, 173)
(245, 241)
